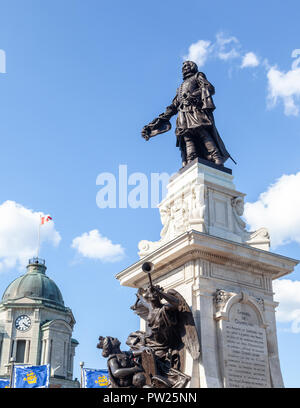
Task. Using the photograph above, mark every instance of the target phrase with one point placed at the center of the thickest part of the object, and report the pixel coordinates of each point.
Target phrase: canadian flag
(45, 219)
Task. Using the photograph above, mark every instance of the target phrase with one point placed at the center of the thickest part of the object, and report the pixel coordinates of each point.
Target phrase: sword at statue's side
(232, 159)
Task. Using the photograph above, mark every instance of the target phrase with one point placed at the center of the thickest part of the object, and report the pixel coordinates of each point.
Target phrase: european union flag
(95, 378)
(31, 376)
(4, 383)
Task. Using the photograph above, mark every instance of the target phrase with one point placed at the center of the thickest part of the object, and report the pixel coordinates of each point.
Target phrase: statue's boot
(214, 154)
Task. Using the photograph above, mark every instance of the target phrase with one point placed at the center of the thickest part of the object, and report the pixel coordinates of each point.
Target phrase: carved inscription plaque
(244, 349)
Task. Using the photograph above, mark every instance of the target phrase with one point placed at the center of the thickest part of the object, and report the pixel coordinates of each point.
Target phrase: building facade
(36, 327)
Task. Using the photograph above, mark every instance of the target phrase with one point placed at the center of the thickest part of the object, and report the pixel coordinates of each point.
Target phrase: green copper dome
(35, 284)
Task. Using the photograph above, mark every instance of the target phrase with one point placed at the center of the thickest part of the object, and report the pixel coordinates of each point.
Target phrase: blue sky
(82, 78)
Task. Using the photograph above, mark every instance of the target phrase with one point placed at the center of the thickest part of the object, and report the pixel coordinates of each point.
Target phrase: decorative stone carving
(260, 238)
(179, 216)
(221, 297)
(238, 210)
(175, 220)
(204, 199)
(198, 215)
(146, 247)
(224, 301)
(165, 216)
(183, 213)
(261, 303)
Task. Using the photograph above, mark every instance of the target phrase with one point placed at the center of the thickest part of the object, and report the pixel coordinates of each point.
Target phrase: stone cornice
(33, 305)
(196, 245)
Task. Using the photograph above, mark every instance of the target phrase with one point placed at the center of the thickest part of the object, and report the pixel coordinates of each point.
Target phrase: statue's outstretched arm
(160, 124)
(172, 300)
(170, 111)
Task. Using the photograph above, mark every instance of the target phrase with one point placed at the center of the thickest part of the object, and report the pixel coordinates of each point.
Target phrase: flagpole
(39, 238)
(81, 373)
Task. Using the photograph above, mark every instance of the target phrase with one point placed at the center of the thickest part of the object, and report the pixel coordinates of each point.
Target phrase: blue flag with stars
(95, 378)
(4, 383)
(31, 376)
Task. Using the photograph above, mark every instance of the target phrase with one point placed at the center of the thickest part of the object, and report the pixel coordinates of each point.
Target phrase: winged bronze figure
(157, 356)
(171, 331)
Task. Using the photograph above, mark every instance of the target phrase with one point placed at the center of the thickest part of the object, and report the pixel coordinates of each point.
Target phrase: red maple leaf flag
(45, 219)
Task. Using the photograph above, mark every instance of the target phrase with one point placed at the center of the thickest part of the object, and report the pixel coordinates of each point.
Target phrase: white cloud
(250, 60)
(285, 86)
(224, 48)
(278, 210)
(227, 47)
(198, 52)
(282, 86)
(287, 293)
(93, 245)
(19, 234)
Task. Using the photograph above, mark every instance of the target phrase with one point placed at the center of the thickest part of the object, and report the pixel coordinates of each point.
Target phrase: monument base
(204, 198)
(206, 163)
(225, 276)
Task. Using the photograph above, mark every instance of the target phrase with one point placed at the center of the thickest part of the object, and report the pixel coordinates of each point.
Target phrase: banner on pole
(95, 378)
(4, 383)
(31, 376)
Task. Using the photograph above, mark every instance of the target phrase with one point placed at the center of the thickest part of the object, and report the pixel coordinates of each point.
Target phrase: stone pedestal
(224, 273)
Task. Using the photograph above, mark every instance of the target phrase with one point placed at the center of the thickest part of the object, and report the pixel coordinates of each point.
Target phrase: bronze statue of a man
(196, 132)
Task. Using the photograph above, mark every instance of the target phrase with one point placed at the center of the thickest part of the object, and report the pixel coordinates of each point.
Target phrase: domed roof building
(35, 284)
(36, 327)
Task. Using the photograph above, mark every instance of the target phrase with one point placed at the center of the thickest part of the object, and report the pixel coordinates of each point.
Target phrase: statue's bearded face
(188, 68)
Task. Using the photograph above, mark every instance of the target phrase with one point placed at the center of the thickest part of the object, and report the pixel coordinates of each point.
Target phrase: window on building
(20, 353)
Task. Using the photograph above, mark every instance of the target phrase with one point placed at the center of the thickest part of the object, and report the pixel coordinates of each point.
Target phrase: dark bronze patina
(156, 357)
(121, 365)
(197, 135)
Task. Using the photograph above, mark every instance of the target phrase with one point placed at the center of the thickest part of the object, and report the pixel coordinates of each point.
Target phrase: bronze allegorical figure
(157, 357)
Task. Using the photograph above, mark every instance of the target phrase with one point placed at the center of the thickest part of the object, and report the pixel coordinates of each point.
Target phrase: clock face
(23, 323)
